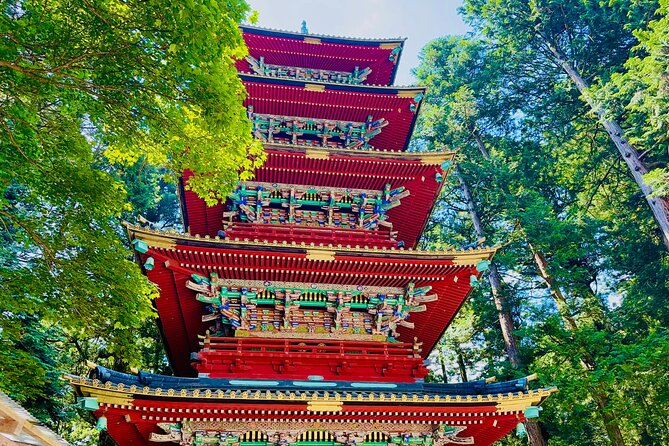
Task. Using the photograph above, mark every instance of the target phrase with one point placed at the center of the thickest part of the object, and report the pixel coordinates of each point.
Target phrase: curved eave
(324, 52)
(171, 239)
(133, 409)
(343, 168)
(177, 257)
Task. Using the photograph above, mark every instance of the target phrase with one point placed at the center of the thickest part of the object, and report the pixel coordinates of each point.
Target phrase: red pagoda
(299, 312)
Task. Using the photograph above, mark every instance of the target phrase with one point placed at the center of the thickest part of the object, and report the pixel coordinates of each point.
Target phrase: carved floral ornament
(191, 433)
(298, 130)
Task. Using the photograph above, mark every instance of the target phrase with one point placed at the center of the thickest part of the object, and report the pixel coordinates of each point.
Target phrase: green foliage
(103, 102)
(641, 92)
(154, 80)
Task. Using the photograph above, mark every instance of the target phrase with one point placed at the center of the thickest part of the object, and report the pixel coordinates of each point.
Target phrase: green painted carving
(188, 434)
(446, 434)
(282, 307)
(183, 434)
(268, 203)
(395, 53)
(140, 245)
(314, 132)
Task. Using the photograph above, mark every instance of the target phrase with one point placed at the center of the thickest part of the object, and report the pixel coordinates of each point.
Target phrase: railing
(265, 346)
(334, 235)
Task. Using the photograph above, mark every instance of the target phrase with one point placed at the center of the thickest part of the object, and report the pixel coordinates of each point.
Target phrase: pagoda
(299, 311)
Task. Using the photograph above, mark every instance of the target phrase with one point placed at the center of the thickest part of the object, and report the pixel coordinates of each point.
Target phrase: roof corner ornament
(304, 29)
(394, 54)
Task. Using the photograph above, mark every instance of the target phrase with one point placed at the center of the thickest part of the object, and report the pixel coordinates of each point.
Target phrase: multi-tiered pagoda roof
(299, 311)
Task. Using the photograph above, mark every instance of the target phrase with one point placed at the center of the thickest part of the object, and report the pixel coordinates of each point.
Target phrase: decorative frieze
(305, 433)
(281, 307)
(314, 132)
(356, 77)
(316, 206)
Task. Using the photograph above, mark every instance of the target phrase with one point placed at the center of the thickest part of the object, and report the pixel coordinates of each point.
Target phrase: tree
(641, 91)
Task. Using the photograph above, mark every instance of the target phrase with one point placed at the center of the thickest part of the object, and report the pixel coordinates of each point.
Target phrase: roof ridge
(330, 36)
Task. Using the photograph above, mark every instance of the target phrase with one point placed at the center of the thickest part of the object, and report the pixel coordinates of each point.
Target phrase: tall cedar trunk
(503, 313)
(610, 420)
(556, 293)
(659, 205)
(462, 366)
(442, 360)
(535, 436)
(587, 361)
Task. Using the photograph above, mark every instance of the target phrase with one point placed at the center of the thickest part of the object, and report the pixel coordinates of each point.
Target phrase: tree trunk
(610, 420)
(659, 205)
(503, 313)
(556, 293)
(535, 436)
(480, 145)
(462, 367)
(442, 361)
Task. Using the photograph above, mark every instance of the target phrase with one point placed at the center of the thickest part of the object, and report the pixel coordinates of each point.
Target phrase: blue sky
(418, 20)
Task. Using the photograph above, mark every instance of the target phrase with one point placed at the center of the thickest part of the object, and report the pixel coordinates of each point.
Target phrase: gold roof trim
(430, 158)
(320, 254)
(409, 93)
(162, 239)
(389, 46)
(317, 154)
(314, 87)
(109, 393)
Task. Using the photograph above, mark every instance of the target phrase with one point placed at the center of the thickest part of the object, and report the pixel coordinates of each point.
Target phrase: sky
(418, 20)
